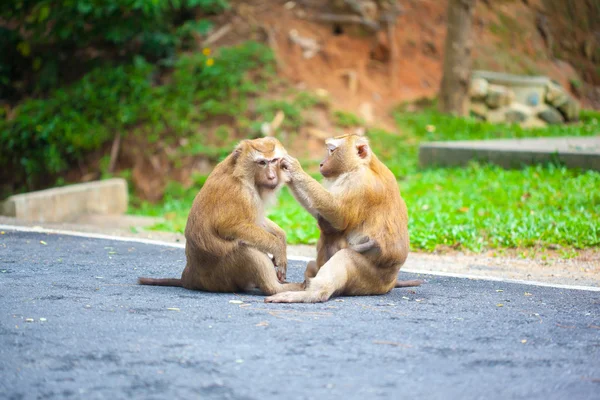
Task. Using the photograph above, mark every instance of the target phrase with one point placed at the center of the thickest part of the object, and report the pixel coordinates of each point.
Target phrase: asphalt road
(73, 324)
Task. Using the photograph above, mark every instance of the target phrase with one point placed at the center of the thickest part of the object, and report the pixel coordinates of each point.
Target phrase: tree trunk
(457, 58)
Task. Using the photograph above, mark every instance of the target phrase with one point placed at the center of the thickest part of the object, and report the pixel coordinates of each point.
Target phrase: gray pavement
(93, 333)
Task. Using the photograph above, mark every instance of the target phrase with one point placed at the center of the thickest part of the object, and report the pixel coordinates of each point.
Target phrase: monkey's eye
(275, 161)
(330, 150)
(262, 163)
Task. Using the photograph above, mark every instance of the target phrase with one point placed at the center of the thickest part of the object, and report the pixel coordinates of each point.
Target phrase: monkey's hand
(280, 261)
(290, 167)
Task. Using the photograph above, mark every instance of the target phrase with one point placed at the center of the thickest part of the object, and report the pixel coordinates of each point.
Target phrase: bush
(54, 38)
(47, 136)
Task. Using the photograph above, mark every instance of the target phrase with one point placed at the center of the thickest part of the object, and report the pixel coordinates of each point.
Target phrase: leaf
(499, 305)
(235, 302)
(173, 309)
(44, 243)
(262, 323)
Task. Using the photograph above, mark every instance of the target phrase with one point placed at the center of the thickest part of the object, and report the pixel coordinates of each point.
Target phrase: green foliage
(48, 135)
(481, 207)
(345, 119)
(46, 32)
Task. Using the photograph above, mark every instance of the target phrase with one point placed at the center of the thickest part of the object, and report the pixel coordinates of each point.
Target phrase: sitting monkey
(227, 234)
(363, 221)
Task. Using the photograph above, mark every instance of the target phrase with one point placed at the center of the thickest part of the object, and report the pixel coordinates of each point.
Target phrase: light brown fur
(227, 234)
(363, 220)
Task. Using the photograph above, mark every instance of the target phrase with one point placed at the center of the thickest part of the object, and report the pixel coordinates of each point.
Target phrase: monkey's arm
(314, 197)
(276, 230)
(257, 237)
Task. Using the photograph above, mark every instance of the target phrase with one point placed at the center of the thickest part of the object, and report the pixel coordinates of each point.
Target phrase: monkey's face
(266, 155)
(344, 153)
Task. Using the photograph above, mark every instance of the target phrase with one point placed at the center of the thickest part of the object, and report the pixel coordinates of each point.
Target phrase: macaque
(228, 236)
(363, 221)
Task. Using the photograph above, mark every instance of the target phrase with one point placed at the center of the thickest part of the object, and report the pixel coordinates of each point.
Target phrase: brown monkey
(363, 221)
(227, 234)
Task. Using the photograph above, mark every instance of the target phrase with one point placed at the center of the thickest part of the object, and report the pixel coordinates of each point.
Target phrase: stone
(555, 94)
(478, 89)
(557, 97)
(498, 96)
(497, 116)
(532, 123)
(68, 203)
(570, 109)
(517, 113)
(550, 115)
(533, 99)
(478, 109)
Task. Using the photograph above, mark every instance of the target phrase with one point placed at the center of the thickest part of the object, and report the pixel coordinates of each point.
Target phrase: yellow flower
(210, 62)
(206, 51)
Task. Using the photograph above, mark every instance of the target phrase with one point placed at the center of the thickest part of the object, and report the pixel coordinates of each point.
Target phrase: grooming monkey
(363, 221)
(227, 234)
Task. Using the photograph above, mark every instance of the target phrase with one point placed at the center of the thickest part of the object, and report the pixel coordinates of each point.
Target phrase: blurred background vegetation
(159, 91)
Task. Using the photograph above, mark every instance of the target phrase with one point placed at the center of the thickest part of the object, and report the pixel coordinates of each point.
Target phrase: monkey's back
(218, 204)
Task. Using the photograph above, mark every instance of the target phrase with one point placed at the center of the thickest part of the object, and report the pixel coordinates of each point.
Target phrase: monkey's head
(260, 159)
(345, 153)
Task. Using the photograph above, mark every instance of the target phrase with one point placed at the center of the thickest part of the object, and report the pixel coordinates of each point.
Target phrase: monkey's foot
(295, 297)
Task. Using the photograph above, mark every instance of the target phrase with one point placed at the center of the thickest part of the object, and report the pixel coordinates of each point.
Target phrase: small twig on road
(395, 344)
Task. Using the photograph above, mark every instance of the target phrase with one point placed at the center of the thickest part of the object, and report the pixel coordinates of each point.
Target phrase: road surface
(74, 324)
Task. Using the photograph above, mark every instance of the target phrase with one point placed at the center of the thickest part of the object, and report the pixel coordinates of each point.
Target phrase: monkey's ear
(362, 150)
(238, 150)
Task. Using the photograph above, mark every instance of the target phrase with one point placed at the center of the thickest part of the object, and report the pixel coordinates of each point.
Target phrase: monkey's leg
(340, 273)
(311, 270)
(254, 268)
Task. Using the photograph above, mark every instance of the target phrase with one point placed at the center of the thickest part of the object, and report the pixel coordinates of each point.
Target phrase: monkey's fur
(363, 220)
(227, 234)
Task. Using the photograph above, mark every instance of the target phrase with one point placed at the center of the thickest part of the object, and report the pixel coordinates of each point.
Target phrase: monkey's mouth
(271, 186)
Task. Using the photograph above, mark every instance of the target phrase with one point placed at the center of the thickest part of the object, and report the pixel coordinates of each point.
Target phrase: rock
(555, 94)
(570, 109)
(517, 113)
(533, 122)
(498, 96)
(533, 99)
(478, 109)
(557, 97)
(550, 115)
(497, 116)
(478, 89)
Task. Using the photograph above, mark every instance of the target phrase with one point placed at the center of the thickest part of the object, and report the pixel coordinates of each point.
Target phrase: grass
(475, 208)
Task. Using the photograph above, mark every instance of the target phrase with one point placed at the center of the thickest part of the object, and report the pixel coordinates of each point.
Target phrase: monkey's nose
(321, 165)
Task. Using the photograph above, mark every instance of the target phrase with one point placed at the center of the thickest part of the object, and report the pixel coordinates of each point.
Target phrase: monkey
(228, 236)
(363, 221)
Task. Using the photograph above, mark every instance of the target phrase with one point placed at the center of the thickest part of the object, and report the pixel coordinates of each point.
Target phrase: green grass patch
(474, 208)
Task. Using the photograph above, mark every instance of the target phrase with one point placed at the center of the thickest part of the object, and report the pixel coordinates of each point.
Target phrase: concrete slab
(69, 202)
(573, 152)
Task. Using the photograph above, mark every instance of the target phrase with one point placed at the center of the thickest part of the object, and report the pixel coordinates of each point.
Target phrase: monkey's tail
(412, 283)
(160, 282)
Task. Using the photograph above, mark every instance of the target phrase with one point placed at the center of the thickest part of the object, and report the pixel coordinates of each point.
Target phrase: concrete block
(68, 203)
(573, 152)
